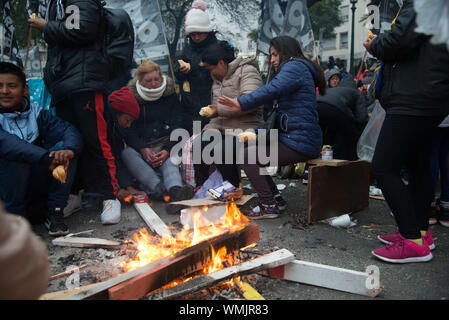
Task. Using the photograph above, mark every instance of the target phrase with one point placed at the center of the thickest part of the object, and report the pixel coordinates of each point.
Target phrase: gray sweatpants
(155, 181)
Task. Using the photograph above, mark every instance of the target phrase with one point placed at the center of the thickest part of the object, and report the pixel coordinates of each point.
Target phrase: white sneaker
(111, 212)
(73, 205)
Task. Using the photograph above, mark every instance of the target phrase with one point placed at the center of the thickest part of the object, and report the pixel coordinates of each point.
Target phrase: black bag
(118, 37)
(272, 118)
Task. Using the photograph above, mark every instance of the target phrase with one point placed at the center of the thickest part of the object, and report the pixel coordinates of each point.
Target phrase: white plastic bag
(368, 139)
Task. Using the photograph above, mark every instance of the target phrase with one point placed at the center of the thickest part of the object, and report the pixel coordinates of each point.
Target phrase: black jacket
(415, 76)
(75, 58)
(157, 119)
(199, 79)
(347, 99)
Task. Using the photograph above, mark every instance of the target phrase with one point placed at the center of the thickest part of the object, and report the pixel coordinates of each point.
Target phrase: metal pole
(351, 66)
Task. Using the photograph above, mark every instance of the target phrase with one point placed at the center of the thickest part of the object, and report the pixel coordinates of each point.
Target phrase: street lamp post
(351, 67)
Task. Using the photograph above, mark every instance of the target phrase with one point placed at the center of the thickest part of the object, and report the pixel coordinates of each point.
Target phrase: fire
(152, 248)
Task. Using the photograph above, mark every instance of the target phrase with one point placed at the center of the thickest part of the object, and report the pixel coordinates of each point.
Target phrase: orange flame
(128, 199)
(167, 198)
(152, 248)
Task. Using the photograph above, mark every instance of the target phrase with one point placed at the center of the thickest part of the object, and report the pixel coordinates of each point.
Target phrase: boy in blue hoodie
(33, 143)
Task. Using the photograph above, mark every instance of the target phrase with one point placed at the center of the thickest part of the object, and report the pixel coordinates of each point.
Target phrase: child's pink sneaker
(395, 237)
(404, 251)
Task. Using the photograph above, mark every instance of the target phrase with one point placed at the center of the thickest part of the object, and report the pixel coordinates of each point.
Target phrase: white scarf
(151, 94)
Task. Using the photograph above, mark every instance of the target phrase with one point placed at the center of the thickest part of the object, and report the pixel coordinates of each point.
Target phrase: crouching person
(125, 110)
(33, 143)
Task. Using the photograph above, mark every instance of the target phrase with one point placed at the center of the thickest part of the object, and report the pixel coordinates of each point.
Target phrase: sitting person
(300, 138)
(148, 154)
(124, 111)
(233, 77)
(343, 115)
(33, 143)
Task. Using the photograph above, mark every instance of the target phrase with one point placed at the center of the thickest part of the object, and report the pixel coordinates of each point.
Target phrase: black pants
(406, 142)
(229, 171)
(340, 131)
(86, 111)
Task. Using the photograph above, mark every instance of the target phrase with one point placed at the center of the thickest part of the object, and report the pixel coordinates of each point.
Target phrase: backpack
(118, 37)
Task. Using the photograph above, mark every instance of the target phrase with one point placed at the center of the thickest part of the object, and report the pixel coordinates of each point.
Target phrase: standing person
(440, 169)
(33, 143)
(300, 138)
(343, 115)
(415, 106)
(76, 74)
(195, 80)
(232, 77)
(148, 154)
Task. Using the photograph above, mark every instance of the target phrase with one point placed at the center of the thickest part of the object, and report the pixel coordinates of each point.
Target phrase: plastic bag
(368, 139)
(432, 18)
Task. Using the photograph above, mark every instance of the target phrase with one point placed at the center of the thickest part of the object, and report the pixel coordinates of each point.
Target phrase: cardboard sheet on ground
(209, 201)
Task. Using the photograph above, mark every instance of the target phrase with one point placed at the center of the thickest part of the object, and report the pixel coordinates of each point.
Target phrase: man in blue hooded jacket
(33, 142)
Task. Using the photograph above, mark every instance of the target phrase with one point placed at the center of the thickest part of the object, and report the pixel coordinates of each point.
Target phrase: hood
(169, 90)
(331, 73)
(239, 62)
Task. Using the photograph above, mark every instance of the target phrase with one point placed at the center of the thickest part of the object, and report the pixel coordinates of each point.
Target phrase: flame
(128, 199)
(167, 198)
(152, 248)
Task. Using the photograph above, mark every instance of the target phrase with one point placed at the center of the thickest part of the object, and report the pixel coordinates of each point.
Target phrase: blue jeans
(23, 182)
(155, 181)
(439, 162)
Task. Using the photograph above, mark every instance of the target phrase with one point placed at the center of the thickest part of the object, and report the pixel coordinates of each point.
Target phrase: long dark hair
(289, 48)
(220, 50)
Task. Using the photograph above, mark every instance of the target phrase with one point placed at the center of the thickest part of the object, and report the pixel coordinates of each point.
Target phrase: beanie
(124, 101)
(197, 20)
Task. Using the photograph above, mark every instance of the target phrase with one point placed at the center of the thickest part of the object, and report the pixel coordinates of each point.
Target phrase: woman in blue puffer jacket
(299, 134)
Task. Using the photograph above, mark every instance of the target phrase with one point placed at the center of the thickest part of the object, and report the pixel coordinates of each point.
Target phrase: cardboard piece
(209, 201)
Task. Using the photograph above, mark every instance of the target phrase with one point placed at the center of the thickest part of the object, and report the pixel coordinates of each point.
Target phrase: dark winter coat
(347, 99)
(199, 79)
(75, 56)
(295, 90)
(415, 75)
(27, 136)
(157, 118)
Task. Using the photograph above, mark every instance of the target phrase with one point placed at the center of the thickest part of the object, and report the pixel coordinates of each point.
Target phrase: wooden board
(248, 291)
(80, 242)
(333, 191)
(331, 163)
(271, 260)
(328, 277)
(136, 283)
(64, 294)
(191, 260)
(153, 221)
(209, 201)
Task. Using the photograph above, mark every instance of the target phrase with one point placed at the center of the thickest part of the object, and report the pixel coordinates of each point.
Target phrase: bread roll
(370, 35)
(182, 63)
(60, 174)
(247, 136)
(206, 111)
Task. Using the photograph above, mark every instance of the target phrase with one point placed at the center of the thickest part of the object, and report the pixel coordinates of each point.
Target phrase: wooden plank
(327, 277)
(209, 201)
(152, 219)
(64, 294)
(191, 260)
(331, 163)
(333, 191)
(271, 260)
(80, 242)
(248, 291)
(163, 271)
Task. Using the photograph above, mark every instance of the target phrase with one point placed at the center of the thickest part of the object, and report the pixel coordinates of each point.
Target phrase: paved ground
(319, 243)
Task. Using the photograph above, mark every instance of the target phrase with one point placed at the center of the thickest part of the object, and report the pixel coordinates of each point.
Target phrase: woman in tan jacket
(234, 77)
(24, 265)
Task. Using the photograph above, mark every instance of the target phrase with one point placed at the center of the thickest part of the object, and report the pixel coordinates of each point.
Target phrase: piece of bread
(247, 136)
(182, 63)
(60, 174)
(206, 111)
(370, 35)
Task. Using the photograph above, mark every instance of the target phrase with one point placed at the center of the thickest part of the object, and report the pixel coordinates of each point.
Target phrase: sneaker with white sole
(74, 204)
(111, 211)
(395, 237)
(55, 224)
(404, 251)
(443, 219)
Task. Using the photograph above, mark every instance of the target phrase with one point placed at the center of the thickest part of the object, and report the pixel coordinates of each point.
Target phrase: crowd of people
(116, 145)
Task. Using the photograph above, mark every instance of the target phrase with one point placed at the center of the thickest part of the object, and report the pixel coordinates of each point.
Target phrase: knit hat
(197, 20)
(124, 101)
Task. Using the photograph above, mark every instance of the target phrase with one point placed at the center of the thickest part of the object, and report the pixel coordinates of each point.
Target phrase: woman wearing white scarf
(148, 156)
